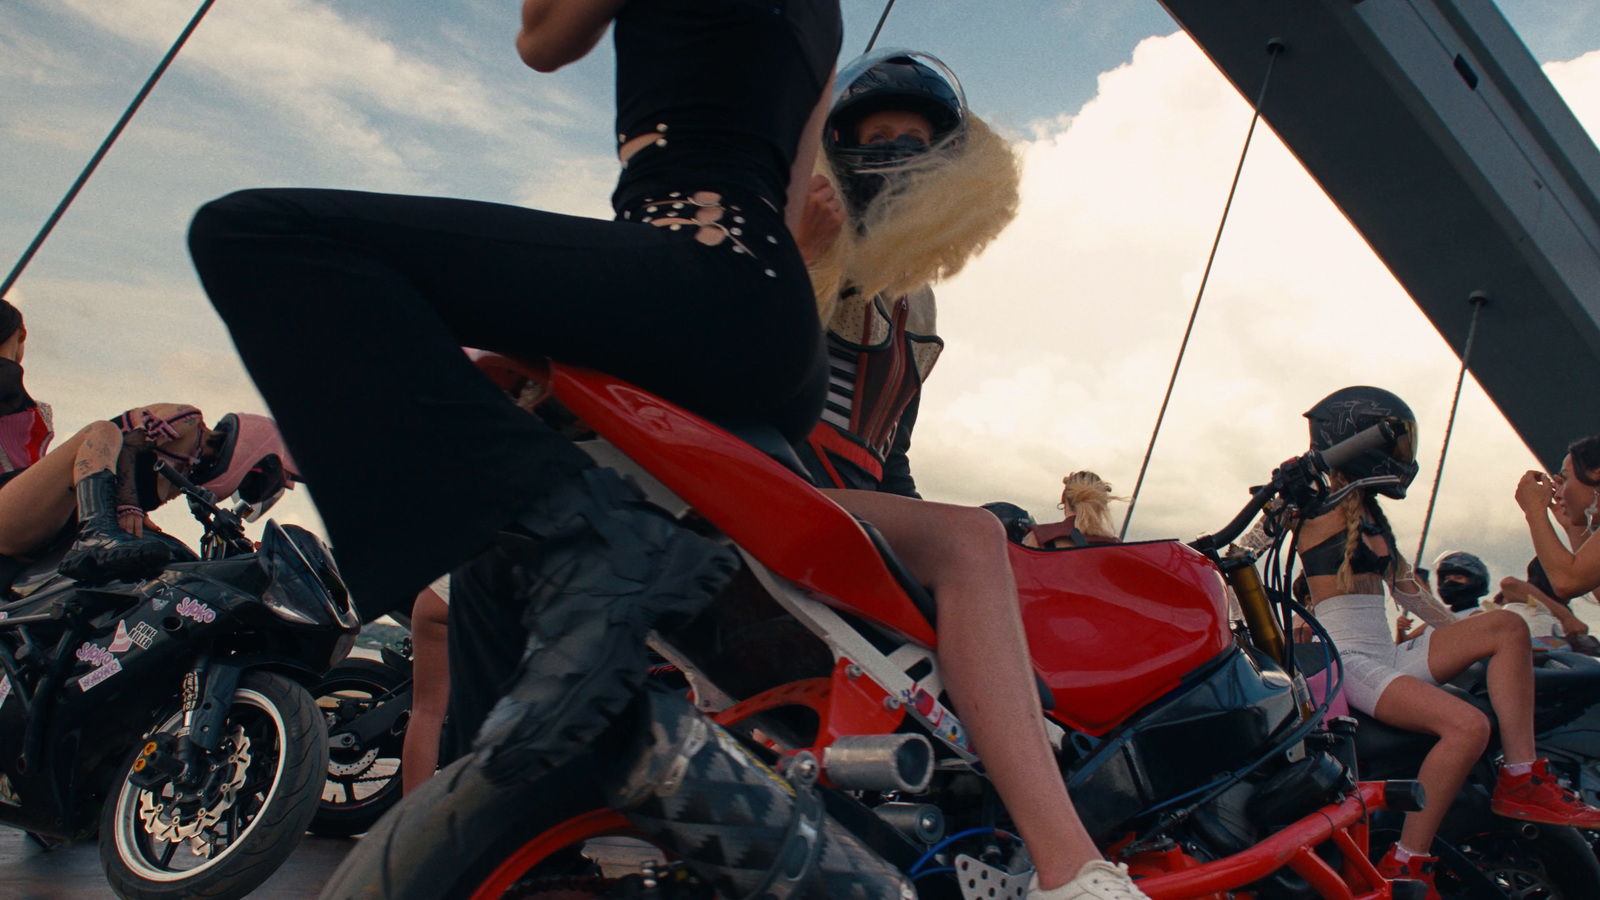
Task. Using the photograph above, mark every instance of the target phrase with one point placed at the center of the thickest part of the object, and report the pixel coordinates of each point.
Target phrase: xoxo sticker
(191, 608)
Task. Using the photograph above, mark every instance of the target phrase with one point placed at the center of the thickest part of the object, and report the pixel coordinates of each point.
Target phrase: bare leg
(1502, 638)
(959, 553)
(35, 504)
(430, 688)
(1463, 732)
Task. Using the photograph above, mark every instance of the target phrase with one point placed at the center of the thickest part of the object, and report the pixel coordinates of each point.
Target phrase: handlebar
(180, 480)
(1298, 473)
(226, 526)
(1345, 452)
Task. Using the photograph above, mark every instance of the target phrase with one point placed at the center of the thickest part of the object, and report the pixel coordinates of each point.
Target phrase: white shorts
(1360, 630)
(441, 586)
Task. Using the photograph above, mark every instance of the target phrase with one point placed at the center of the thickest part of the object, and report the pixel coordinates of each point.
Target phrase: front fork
(207, 696)
(1265, 631)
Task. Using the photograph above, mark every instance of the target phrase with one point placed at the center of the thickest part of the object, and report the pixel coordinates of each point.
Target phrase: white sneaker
(1097, 880)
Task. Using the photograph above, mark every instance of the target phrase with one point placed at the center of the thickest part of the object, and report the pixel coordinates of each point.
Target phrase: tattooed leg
(36, 504)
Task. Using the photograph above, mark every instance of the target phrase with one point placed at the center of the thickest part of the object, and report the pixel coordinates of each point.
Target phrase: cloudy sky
(1060, 339)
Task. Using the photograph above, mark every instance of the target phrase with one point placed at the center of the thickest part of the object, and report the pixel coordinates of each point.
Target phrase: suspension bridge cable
(1477, 300)
(94, 162)
(1274, 49)
(881, 20)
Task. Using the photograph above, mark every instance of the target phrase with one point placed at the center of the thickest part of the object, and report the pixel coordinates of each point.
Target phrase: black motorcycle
(1482, 855)
(366, 704)
(172, 712)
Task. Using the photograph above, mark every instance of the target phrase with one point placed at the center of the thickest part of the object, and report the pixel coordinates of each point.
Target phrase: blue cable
(939, 871)
(970, 832)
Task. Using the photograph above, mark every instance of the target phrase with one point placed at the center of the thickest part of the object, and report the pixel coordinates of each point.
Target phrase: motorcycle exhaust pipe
(696, 791)
(921, 822)
(880, 762)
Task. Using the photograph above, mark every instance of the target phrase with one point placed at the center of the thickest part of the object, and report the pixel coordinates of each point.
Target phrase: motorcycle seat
(768, 440)
(1378, 745)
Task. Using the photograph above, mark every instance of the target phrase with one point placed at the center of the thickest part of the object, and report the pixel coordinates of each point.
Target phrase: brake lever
(1337, 497)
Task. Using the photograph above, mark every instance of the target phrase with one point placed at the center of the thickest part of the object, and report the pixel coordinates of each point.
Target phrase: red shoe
(1417, 868)
(1538, 797)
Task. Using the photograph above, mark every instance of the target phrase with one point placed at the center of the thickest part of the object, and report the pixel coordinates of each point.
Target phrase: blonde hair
(1088, 496)
(1352, 506)
(938, 211)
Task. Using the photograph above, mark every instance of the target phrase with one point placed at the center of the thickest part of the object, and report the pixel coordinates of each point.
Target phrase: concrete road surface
(73, 872)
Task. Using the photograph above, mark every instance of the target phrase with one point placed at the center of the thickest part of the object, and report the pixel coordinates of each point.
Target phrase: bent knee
(101, 429)
(1508, 626)
(239, 214)
(1470, 729)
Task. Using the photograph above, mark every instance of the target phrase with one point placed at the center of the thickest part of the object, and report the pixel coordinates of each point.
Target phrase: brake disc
(361, 764)
(165, 820)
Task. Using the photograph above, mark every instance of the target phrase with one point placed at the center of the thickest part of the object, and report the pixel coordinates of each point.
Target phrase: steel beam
(1433, 129)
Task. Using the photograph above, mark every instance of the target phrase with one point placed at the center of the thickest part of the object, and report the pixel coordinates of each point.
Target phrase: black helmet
(1462, 596)
(906, 80)
(1349, 410)
(1017, 520)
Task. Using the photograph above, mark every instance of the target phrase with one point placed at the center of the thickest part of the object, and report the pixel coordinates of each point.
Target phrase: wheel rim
(363, 778)
(1519, 874)
(156, 859)
(592, 824)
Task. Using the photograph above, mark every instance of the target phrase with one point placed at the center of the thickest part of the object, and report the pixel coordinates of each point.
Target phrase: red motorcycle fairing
(1104, 644)
(762, 506)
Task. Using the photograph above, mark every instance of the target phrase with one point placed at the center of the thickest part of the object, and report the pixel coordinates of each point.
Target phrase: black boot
(103, 550)
(598, 568)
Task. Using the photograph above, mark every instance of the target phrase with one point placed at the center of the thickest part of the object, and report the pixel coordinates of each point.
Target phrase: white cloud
(338, 81)
(1578, 81)
(1062, 337)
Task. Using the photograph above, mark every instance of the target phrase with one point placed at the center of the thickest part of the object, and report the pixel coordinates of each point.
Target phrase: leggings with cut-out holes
(349, 309)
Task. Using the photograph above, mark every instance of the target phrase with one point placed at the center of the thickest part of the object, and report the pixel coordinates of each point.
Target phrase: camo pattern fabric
(696, 791)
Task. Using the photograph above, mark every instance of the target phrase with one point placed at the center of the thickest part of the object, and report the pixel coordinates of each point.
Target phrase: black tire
(449, 836)
(1523, 861)
(362, 783)
(275, 800)
(1536, 862)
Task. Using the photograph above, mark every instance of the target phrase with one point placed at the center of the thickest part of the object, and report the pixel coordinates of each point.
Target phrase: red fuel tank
(1112, 627)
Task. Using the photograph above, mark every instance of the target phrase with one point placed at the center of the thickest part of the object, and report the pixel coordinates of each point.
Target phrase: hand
(1402, 627)
(821, 220)
(132, 523)
(1535, 493)
(1514, 590)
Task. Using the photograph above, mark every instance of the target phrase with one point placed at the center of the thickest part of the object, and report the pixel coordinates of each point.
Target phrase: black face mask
(864, 176)
(1460, 597)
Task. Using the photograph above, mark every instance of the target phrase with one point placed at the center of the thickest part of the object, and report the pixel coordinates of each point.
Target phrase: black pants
(349, 310)
(487, 638)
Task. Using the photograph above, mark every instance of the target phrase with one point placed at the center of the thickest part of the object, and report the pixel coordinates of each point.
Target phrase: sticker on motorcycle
(158, 604)
(5, 690)
(941, 721)
(142, 635)
(95, 655)
(191, 608)
(7, 795)
(98, 675)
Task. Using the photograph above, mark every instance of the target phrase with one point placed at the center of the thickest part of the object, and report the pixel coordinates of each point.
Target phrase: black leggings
(350, 310)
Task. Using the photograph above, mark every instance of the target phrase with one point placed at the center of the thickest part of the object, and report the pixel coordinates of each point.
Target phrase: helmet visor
(1405, 441)
(855, 68)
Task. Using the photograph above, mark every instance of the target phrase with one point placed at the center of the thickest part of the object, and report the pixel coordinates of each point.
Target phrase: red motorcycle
(823, 758)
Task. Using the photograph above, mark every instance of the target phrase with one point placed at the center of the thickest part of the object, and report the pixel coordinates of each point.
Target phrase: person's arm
(897, 468)
(557, 32)
(1519, 591)
(820, 221)
(1414, 596)
(1570, 573)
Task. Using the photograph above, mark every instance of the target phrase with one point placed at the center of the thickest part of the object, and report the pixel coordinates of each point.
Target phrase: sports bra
(1327, 557)
(728, 85)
